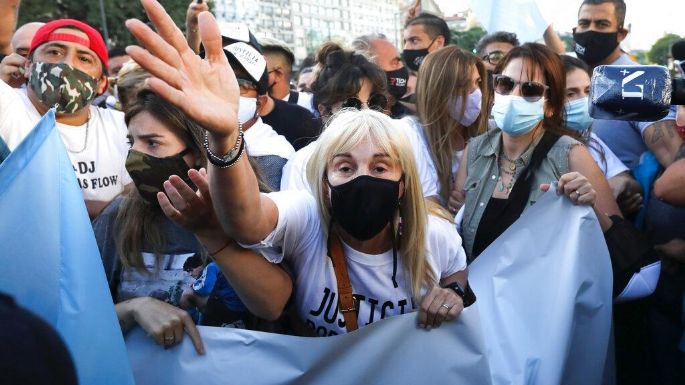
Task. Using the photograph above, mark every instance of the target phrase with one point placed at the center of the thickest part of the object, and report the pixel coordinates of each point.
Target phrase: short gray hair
(362, 45)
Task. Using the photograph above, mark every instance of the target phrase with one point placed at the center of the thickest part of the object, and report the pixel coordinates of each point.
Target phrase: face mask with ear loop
(247, 109)
(414, 57)
(62, 86)
(363, 207)
(471, 109)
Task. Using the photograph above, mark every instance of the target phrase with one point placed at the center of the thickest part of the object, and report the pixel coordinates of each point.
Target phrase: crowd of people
(228, 189)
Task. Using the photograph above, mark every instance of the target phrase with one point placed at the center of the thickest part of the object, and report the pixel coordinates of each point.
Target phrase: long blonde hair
(444, 76)
(345, 131)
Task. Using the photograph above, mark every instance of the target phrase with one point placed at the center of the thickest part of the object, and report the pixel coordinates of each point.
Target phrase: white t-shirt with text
(100, 167)
(300, 241)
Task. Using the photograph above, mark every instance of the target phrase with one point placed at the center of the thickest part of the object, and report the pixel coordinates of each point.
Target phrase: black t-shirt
(296, 123)
(31, 351)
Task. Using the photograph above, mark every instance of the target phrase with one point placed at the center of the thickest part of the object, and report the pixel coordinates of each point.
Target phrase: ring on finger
(577, 194)
(446, 306)
(168, 340)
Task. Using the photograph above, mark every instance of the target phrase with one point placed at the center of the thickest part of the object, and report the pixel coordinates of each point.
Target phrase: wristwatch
(467, 295)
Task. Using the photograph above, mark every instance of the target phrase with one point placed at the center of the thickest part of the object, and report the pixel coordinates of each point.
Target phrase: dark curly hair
(341, 75)
(496, 37)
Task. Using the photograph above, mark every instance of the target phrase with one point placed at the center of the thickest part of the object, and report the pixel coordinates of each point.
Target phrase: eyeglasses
(493, 57)
(531, 91)
(376, 102)
(246, 85)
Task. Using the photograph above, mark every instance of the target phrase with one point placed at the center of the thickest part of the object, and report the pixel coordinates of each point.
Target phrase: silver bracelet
(232, 157)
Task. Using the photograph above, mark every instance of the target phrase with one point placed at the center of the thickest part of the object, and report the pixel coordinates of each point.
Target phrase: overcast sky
(650, 19)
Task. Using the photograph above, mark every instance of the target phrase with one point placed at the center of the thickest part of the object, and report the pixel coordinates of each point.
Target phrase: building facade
(305, 24)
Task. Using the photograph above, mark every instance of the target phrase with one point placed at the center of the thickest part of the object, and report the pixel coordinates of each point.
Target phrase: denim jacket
(483, 173)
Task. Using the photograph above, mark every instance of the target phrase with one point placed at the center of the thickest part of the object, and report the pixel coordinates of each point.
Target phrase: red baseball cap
(95, 42)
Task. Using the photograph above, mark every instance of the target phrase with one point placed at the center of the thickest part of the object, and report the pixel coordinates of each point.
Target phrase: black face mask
(149, 172)
(414, 57)
(397, 82)
(364, 205)
(592, 47)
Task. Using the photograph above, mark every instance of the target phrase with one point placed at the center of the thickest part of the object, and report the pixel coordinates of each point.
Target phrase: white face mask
(471, 110)
(515, 115)
(247, 108)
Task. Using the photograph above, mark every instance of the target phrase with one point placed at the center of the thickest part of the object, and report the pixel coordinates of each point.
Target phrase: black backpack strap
(293, 97)
(518, 198)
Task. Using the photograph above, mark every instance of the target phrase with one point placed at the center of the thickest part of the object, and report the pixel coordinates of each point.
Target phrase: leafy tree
(661, 49)
(639, 55)
(467, 39)
(116, 13)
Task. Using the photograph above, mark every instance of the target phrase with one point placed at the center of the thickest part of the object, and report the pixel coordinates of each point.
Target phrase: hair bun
(325, 50)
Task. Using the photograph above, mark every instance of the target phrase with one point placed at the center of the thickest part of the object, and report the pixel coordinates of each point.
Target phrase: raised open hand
(204, 89)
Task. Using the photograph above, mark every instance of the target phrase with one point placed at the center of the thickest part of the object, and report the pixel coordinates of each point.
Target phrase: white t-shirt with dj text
(300, 241)
(97, 149)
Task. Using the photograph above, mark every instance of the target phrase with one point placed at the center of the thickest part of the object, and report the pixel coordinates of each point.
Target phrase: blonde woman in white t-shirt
(368, 197)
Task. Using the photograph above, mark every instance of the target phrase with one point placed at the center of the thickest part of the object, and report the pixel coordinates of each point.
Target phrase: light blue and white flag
(522, 17)
(543, 316)
(50, 262)
(544, 292)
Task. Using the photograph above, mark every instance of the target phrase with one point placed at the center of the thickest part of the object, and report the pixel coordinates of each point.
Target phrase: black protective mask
(414, 57)
(592, 47)
(364, 205)
(149, 172)
(397, 82)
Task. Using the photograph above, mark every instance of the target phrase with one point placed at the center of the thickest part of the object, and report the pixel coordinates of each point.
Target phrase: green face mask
(62, 86)
(149, 172)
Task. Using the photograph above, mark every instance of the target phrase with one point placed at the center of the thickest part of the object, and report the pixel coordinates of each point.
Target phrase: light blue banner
(544, 293)
(543, 317)
(522, 17)
(50, 262)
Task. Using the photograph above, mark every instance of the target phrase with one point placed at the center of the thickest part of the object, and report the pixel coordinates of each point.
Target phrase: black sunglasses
(493, 57)
(531, 91)
(376, 102)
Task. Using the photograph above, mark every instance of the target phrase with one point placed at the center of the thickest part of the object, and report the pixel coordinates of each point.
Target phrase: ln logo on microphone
(627, 79)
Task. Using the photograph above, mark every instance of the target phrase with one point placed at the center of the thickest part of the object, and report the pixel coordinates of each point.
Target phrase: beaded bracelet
(233, 155)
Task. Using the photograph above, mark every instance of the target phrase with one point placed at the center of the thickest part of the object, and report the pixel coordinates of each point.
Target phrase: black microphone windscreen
(678, 50)
(678, 97)
(635, 93)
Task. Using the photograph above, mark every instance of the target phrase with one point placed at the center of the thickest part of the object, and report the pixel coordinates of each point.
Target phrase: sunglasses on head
(376, 102)
(493, 57)
(531, 91)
